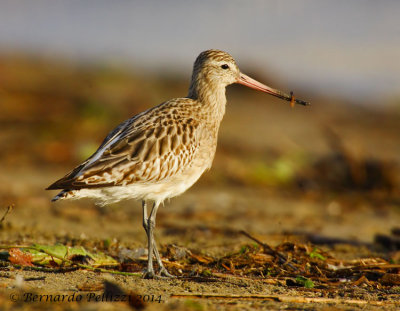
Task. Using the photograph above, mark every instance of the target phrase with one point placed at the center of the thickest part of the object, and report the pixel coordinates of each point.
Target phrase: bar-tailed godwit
(161, 152)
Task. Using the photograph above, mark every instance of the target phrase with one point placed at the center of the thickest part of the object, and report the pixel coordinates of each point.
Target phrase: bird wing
(151, 147)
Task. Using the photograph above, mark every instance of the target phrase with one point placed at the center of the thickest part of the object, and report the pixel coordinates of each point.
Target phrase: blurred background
(70, 71)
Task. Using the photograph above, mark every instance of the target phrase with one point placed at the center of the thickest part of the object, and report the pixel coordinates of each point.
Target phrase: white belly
(154, 191)
(157, 192)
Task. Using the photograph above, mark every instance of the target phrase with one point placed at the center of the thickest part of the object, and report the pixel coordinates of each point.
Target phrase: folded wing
(138, 151)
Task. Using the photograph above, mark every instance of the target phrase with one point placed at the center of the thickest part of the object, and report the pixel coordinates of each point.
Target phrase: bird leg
(149, 225)
(149, 273)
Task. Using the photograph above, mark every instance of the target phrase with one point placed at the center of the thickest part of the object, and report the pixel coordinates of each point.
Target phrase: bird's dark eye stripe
(224, 66)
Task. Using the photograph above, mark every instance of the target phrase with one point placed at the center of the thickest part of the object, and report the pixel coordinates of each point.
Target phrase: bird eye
(224, 66)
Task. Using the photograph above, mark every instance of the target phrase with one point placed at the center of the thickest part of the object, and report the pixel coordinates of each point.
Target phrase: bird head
(218, 69)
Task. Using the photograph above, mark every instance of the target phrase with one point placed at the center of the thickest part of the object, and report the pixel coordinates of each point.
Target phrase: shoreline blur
(342, 49)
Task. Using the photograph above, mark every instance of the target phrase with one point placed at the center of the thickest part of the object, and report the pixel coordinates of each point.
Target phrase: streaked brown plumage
(161, 152)
(145, 150)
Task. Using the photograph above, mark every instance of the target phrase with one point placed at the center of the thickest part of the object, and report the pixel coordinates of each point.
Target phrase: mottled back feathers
(150, 147)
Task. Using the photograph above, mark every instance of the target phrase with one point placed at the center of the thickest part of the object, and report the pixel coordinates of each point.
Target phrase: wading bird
(161, 152)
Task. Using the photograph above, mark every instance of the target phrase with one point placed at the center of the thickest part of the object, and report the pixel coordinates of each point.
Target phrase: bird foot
(149, 274)
(162, 274)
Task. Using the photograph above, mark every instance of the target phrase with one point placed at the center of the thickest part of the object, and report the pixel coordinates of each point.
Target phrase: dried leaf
(390, 279)
(18, 257)
(201, 259)
(52, 254)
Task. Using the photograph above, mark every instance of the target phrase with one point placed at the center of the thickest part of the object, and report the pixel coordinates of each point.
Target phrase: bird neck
(211, 96)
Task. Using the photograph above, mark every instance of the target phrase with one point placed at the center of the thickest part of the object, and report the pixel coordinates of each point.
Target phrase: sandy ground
(207, 218)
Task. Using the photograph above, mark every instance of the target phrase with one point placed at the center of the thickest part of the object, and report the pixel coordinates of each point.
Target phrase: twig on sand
(5, 264)
(269, 250)
(286, 299)
(9, 209)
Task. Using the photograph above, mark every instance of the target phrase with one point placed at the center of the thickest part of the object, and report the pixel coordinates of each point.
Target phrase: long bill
(254, 84)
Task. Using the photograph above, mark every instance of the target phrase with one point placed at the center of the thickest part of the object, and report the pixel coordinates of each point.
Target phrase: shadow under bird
(161, 152)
